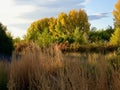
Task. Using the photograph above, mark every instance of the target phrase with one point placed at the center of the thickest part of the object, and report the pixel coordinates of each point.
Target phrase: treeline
(73, 27)
(69, 31)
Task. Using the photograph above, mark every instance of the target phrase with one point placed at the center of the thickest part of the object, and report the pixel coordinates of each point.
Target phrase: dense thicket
(102, 35)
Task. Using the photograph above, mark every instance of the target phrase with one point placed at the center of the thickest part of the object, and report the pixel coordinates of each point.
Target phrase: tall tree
(78, 19)
(83, 21)
(116, 14)
(62, 24)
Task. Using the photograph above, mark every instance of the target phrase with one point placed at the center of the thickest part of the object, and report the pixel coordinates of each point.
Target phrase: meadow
(50, 69)
(62, 53)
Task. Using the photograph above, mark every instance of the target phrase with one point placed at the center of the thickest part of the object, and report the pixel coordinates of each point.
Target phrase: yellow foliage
(116, 14)
(115, 38)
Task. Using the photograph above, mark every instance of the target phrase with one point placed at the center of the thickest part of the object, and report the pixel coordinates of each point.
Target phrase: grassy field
(50, 69)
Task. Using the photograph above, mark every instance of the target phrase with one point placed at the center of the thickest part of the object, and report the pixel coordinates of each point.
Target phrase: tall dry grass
(4, 71)
(35, 70)
(49, 69)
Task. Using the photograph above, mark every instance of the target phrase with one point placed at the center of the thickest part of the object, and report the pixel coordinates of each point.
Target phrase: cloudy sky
(17, 15)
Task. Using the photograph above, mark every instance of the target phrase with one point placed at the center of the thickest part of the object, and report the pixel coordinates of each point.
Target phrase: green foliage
(16, 41)
(100, 35)
(45, 38)
(80, 36)
(61, 29)
(78, 19)
(6, 44)
(115, 38)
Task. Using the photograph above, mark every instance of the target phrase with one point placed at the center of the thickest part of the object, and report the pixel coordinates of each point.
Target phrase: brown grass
(49, 69)
(4, 71)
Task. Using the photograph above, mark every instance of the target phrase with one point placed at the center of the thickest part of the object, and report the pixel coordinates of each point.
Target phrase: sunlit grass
(50, 69)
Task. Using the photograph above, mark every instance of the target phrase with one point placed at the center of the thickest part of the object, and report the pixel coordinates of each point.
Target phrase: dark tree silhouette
(6, 45)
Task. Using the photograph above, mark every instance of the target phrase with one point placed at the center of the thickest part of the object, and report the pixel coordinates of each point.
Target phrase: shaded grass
(4, 71)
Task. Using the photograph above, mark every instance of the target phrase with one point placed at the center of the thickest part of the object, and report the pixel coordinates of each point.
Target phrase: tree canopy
(59, 29)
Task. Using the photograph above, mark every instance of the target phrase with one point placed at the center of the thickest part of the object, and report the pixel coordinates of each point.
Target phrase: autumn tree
(37, 28)
(115, 38)
(116, 14)
(78, 25)
(78, 19)
(68, 23)
(52, 24)
(59, 29)
(40, 32)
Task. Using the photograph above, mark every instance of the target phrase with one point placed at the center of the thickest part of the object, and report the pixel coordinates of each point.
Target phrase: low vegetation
(50, 69)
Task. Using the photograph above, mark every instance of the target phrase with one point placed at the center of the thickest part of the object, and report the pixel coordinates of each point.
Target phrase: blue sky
(17, 15)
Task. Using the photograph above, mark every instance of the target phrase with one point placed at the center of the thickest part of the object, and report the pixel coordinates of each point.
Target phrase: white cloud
(15, 31)
(22, 12)
(9, 14)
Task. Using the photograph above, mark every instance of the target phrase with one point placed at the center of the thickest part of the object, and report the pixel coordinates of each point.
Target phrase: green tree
(45, 39)
(80, 37)
(116, 14)
(102, 35)
(6, 44)
(32, 32)
(36, 28)
(41, 31)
